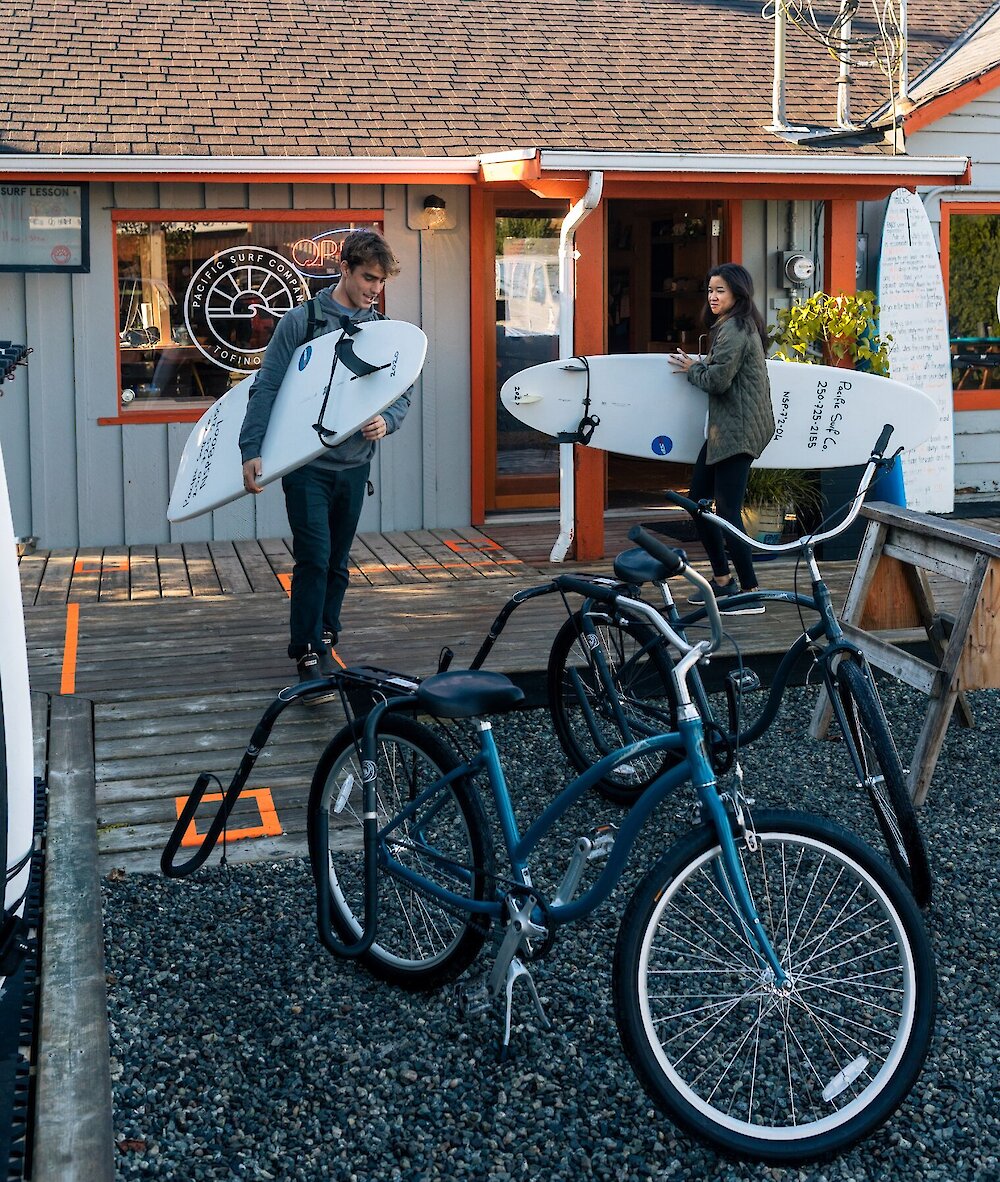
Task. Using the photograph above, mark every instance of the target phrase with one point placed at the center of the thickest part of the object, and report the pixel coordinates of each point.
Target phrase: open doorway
(659, 253)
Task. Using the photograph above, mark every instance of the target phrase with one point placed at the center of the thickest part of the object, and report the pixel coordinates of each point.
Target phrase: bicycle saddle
(637, 567)
(468, 692)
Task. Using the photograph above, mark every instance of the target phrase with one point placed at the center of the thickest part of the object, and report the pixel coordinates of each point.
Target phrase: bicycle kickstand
(516, 970)
(508, 968)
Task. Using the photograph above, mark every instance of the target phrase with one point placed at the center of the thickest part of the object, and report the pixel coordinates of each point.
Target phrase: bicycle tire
(640, 672)
(889, 795)
(421, 942)
(756, 1072)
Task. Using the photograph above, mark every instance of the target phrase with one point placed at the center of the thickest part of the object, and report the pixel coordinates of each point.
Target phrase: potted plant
(826, 329)
(774, 493)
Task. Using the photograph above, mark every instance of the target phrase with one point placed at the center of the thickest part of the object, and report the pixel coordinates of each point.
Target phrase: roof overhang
(805, 174)
(316, 169)
(549, 173)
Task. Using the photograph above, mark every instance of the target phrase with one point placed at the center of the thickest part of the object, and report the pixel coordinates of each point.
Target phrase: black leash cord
(585, 428)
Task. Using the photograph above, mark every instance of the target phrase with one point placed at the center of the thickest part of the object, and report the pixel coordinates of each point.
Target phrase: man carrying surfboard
(323, 498)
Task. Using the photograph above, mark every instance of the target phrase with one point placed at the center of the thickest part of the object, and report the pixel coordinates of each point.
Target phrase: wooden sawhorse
(890, 591)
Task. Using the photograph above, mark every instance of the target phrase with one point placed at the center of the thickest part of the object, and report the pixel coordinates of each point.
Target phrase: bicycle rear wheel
(422, 942)
(585, 703)
(882, 777)
(789, 1075)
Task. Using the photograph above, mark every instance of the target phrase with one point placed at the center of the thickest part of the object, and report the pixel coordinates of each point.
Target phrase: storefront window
(198, 301)
(973, 298)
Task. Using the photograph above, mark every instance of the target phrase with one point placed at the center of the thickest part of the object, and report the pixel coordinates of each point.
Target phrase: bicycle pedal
(743, 681)
(472, 998)
(603, 843)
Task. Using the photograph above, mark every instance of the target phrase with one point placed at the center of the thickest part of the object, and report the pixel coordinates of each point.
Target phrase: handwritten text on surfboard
(206, 449)
(824, 424)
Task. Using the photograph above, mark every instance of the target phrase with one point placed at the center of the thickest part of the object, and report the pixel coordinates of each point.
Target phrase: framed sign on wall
(44, 227)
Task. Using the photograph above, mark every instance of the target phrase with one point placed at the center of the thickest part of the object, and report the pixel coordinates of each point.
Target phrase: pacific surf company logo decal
(234, 301)
(307, 353)
(662, 445)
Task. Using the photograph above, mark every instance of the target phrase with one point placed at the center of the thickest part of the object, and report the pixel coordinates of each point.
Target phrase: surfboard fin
(344, 350)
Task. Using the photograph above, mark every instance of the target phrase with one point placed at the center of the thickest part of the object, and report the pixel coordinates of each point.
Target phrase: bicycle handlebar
(876, 459)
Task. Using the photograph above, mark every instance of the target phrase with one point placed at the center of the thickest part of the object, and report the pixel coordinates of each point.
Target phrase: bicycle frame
(695, 767)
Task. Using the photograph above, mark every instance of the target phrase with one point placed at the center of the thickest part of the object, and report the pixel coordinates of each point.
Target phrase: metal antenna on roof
(881, 39)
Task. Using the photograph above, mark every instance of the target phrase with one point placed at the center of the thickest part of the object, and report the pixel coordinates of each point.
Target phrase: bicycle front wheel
(595, 711)
(790, 1074)
(422, 941)
(881, 775)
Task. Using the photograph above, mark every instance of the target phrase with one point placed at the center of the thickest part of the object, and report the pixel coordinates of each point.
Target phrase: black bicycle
(609, 683)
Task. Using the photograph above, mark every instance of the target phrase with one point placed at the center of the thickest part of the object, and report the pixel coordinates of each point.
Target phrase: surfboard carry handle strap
(585, 428)
(343, 352)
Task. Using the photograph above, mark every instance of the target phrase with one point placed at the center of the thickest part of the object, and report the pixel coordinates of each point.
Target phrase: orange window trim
(965, 399)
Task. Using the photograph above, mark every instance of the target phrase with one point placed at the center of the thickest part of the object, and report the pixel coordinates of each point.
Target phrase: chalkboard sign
(913, 311)
(43, 227)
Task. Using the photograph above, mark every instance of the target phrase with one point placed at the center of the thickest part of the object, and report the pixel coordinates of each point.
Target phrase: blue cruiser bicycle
(774, 987)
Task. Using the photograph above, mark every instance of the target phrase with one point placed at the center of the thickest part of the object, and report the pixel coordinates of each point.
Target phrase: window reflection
(527, 331)
(198, 300)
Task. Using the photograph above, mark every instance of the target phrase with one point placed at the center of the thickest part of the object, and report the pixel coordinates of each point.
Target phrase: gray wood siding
(75, 482)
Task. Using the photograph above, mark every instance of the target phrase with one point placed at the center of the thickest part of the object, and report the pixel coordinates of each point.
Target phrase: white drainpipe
(567, 300)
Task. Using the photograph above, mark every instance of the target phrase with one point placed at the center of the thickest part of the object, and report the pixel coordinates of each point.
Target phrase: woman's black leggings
(726, 484)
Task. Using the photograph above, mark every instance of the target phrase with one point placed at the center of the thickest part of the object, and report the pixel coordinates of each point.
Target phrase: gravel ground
(242, 1050)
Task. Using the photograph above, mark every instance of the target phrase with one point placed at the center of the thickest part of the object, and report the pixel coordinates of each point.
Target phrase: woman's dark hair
(744, 309)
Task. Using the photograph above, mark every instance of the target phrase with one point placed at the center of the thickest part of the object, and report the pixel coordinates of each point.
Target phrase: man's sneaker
(327, 662)
(310, 667)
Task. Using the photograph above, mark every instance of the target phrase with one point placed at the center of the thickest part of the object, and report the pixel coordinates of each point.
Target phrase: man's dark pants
(323, 506)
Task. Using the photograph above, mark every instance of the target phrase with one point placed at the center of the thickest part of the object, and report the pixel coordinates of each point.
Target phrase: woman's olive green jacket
(734, 375)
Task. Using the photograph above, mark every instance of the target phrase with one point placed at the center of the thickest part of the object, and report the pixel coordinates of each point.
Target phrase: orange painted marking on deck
(94, 566)
(286, 582)
(485, 546)
(269, 825)
(67, 683)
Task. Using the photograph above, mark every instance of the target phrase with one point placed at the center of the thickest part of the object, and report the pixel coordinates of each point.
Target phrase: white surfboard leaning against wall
(912, 310)
(825, 417)
(18, 782)
(210, 472)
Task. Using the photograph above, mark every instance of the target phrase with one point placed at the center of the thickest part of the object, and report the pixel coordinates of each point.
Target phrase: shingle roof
(418, 77)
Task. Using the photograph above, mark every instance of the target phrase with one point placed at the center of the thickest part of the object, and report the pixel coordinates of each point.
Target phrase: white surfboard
(17, 786)
(912, 310)
(210, 472)
(824, 417)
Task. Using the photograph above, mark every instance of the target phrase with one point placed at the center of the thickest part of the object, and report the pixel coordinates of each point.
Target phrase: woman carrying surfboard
(740, 423)
(324, 497)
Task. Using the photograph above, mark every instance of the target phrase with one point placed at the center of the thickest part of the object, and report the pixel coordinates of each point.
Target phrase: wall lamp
(429, 211)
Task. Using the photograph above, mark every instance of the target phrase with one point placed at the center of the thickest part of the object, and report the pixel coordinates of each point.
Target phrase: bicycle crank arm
(520, 929)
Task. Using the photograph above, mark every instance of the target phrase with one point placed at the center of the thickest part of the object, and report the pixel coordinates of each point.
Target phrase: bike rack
(360, 688)
(890, 592)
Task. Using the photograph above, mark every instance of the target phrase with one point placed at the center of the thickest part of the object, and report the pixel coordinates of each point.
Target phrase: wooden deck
(181, 648)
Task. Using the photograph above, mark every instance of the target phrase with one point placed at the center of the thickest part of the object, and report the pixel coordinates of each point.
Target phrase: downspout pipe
(567, 306)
